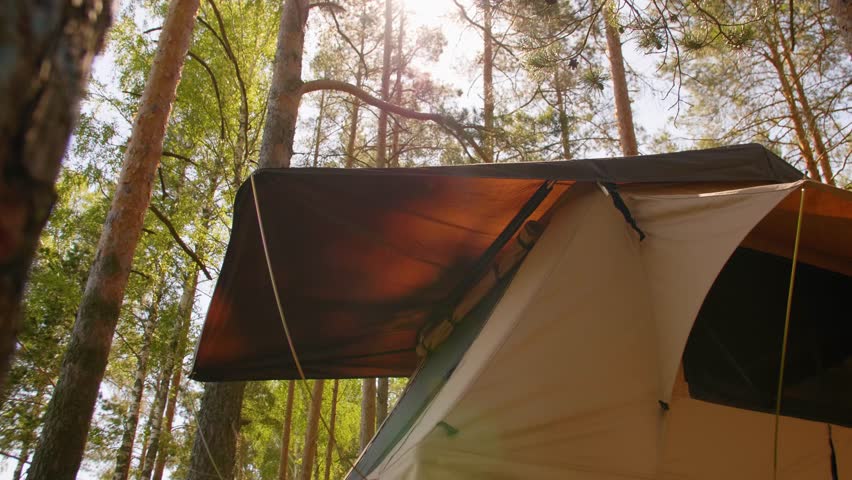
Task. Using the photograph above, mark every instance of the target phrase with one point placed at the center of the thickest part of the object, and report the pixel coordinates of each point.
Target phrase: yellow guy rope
(304, 387)
(787, 330)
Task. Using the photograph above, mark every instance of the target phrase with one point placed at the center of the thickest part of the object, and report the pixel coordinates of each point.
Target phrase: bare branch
(444, 121)
(173, 231)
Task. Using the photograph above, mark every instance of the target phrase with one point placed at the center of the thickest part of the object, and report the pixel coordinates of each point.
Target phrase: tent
(640, 337)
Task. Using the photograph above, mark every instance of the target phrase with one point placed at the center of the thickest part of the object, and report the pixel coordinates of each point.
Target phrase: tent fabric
(567, 376)
(365, 258)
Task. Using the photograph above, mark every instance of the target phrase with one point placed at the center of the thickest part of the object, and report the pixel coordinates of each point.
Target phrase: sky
(651, 110)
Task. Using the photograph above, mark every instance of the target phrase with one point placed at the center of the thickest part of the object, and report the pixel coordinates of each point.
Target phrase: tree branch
(180, 242)
(444, 121)
(215, 89)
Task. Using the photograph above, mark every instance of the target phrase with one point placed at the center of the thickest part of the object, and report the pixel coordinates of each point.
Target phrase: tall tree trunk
(283, 464)
(381, 146)
(623, 110)
(48, 51)
(487, 82)
(66, 424)
(185, 314)
(318, 130)
(842, 12)
(368, 412)
(312, 430)
(381, 401)
(215, 445)
(331, 421)
(353, 119)
(219, 415)
(397, 90)
(131, 421)
(564, 125)
(157, 409)
(810, 120)
(774, 58)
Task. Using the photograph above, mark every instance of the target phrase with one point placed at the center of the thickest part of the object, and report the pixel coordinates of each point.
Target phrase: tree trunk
(157, 409)
(66, 424)
(623, 110)
(368, 412)
(774, 58)
(131, 421)
(318, 131)
(397, 91)
(214, 448)
(283, 464)
(219, 415)
(353, 120)
(331, 421)
(487, 83)
(187, 299)
(842, 12)
(381, 146)
(810, 120)
(564, 126)
(48, 51)
(284, 91)
(312, 430)
(381, 401)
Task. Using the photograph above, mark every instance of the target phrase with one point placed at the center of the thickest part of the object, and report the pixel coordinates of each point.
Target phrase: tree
(381, 146)
(623, 110)
(46, 71)
(131, 422)
(61, 445)
(285, 432)
(312, 430)
(368, 412)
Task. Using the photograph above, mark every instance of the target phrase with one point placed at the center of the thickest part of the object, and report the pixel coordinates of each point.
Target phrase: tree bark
(66, 423)
(368, 412)
(312, 430)
(381, 146)
(381, 401)
(283, 464)
(49, 47)
(185, 314)
(215, 445)
(487, 83)
(623, 110)
(131, 421)
(842, 12)
(331, 421)
(283, 106)
(564, 126)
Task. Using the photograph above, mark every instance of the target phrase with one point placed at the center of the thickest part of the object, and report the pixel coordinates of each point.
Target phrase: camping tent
(641, 337)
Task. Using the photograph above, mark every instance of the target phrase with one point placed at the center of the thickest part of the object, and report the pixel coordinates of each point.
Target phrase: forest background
(503, 81)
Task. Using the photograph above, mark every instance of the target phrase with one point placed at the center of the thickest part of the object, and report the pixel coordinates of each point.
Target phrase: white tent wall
(565, 379)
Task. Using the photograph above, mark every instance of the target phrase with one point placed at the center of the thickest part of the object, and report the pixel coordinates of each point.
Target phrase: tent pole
(787, 329)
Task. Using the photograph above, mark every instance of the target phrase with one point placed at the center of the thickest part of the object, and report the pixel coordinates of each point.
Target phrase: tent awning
(364, 258)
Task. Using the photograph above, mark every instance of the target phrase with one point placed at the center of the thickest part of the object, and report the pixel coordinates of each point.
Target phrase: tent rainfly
(641, 336)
